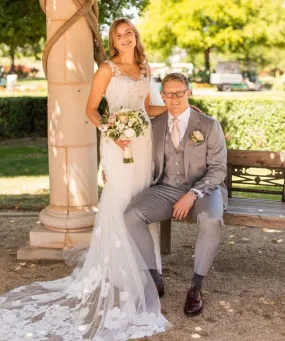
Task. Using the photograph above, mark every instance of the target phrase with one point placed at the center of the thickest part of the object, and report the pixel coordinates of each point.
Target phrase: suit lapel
(159, 137)
(193, 124)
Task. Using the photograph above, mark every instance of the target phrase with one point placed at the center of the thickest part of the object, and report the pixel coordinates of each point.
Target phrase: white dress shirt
(182, 122)
(182, 125)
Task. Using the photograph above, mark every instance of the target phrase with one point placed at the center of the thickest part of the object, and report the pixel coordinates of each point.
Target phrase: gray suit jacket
(205, 164)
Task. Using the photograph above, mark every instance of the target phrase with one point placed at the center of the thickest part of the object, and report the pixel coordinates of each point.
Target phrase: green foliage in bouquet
(123, 124)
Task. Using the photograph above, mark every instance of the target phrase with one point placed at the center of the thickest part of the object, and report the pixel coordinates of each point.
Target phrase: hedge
(23, 116)
(247, 124)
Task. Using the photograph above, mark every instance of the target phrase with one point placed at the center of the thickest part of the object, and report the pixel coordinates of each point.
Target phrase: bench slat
(253, 158)
(256, 202)
(242, 211)
(247, 211)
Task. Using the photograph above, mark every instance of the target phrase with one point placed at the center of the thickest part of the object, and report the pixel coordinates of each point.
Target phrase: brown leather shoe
(194, 304)
(157, 278)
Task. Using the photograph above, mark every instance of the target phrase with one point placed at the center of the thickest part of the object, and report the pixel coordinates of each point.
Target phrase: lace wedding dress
(111, 296)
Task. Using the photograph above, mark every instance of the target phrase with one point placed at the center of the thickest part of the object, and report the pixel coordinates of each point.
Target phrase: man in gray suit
(190, 159)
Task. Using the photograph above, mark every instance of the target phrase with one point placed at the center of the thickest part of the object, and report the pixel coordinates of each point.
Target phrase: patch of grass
(23, 160)
(27, 87)
(257, 195)
(32, 81)
(24, 175)
(263, 187)
(24, 182)
(242, 95)
(24, 202)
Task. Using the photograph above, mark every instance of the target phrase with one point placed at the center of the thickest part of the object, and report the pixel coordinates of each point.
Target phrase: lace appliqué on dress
(110, 295)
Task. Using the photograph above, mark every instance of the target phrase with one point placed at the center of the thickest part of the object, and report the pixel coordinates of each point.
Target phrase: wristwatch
(197, 194)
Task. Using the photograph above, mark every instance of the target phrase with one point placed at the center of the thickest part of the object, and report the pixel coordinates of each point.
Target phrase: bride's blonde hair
(140, 56)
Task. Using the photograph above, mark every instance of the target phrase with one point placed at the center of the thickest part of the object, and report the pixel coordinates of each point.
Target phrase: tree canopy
(221, 25)
(23, 23)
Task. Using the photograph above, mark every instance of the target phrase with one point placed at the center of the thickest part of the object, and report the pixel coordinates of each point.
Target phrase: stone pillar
(71, 139)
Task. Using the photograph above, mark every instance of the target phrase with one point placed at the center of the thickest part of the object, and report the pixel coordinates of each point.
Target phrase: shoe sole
(195, 313)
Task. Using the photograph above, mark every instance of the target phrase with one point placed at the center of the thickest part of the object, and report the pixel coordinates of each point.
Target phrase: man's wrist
(192, 196)
(197, 193)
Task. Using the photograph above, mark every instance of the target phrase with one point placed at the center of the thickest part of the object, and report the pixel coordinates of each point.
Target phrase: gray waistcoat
(174, 172)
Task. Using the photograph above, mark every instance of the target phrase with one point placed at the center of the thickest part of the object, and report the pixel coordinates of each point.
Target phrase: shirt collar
(184, 117)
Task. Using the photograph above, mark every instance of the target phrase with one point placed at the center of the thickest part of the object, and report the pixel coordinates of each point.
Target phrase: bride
(111, 295)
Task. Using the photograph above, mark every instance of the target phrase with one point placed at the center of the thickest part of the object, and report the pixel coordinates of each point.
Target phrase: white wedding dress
(111, 295)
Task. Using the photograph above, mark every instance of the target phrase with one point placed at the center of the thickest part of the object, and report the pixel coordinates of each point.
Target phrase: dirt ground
(244, 293)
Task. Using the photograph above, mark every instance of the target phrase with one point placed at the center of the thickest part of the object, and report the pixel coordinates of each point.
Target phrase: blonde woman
(112, 296)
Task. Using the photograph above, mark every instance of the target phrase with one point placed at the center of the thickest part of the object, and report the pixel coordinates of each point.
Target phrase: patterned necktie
(175, 132)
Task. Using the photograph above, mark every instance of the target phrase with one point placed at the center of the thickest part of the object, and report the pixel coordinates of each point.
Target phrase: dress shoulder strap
(113, 67)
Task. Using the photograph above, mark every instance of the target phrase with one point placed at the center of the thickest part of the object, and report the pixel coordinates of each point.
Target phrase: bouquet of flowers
(124, 124)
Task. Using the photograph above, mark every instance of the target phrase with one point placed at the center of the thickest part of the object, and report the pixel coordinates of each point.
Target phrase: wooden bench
(249, 172)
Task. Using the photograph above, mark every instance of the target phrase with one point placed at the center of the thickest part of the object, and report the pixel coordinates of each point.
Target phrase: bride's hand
(122, 143)
(196, 108)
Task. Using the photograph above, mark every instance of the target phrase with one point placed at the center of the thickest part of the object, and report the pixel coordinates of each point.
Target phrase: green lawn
(240, 95)
(23, 160)
(27, 87)
(24, 181)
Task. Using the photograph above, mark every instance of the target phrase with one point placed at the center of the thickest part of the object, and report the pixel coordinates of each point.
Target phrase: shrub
(247, 124)
(23, 116)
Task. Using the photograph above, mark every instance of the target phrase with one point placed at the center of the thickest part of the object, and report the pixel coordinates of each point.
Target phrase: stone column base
(33, 253)
(68, 219)
(49, 245)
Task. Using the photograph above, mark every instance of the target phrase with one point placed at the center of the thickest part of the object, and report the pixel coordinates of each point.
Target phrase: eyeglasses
(178, 94)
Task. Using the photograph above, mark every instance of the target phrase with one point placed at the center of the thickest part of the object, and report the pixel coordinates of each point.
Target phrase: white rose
(130, 133)
(123, 118)
(121, 127)
(198, 135)
(112, 119)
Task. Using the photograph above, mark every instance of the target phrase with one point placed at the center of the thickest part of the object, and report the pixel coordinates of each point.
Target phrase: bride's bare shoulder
(104, 70)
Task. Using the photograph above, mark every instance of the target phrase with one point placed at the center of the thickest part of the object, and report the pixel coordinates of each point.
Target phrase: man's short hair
(176, 77)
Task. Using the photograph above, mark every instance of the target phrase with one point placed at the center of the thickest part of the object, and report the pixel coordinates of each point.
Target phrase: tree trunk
(207, 59)
(99, 53)
(12, 56)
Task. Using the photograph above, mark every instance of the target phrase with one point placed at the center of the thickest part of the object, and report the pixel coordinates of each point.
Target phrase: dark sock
(155, 275)
(197, 281)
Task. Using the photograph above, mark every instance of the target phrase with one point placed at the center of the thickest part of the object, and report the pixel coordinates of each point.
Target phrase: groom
(190, 159)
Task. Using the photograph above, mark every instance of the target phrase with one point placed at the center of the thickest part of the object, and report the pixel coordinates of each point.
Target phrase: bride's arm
(100, 82)
(153, 110)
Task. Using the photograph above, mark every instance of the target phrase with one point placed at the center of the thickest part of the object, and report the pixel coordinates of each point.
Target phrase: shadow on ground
(244, 293)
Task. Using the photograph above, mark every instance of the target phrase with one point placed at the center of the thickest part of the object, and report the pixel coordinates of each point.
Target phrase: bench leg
(165, 237)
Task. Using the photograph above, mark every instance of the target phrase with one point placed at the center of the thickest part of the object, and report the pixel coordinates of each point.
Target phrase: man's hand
(183, 206)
